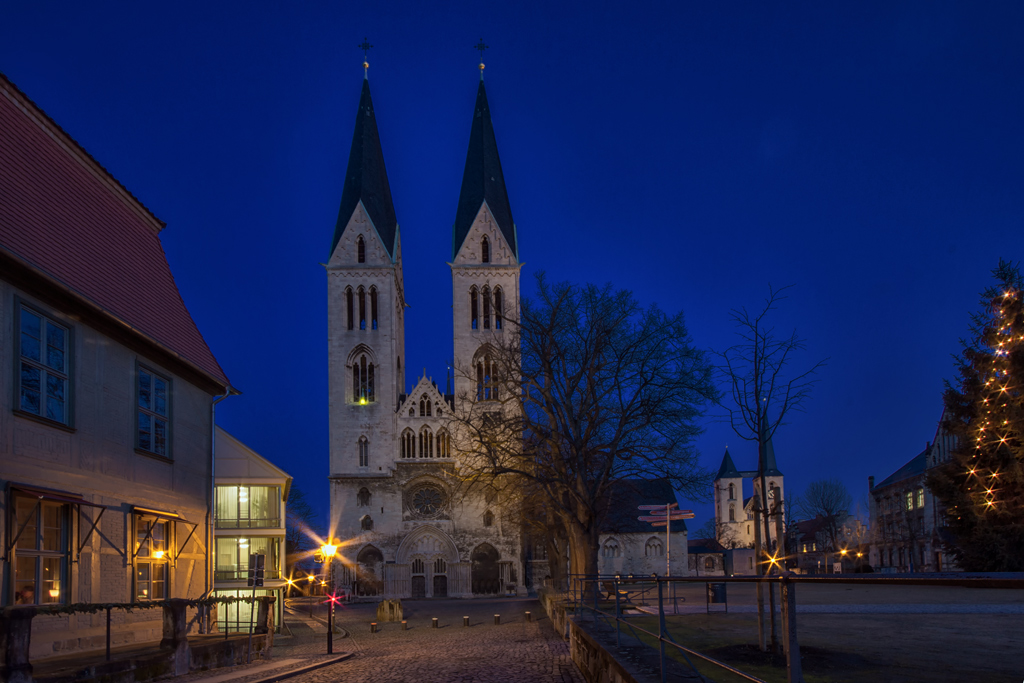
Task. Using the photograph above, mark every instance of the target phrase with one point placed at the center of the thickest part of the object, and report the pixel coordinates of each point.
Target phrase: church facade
(734, 512)
(407, 527)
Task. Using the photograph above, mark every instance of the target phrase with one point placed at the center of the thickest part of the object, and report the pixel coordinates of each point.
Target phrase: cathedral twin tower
(392, 459)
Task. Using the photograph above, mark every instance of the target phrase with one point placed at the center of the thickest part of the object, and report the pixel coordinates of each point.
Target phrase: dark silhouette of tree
(591, 388)
(829, 499)
(982, 485)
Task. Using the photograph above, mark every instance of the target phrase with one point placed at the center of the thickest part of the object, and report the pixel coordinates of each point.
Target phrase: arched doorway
(369, 571)
(486, 575)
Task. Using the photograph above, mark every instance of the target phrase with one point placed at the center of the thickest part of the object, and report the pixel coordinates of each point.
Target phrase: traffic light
(257, 563)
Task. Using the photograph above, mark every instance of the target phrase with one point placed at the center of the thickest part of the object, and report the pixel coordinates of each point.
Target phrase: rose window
(427, 501)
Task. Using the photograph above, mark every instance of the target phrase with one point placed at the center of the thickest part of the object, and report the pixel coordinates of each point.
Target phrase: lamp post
(329, 550)
(309, 595)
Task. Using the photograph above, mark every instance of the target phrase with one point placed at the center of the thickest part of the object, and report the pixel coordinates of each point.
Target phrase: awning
(167, 517)
(56, 496)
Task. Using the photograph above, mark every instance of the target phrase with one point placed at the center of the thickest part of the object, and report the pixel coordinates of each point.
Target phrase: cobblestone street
(514, 651)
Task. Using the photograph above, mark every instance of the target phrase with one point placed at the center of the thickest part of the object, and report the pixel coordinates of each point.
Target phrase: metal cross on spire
(365, 47)
(481, 47)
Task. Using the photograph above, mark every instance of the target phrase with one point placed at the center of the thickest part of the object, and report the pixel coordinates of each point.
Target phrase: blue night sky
(867, 153)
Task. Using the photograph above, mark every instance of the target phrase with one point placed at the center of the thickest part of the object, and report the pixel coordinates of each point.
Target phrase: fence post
(15, 637)
(176, 635)
(661, 631)
(793, 666)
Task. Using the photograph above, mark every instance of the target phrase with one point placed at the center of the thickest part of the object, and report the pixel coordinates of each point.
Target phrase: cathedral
(406, 527)
(734, 513)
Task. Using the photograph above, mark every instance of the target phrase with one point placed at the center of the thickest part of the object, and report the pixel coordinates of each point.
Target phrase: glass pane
(144, 390)
(158, 538)
(27, 515)
(159, 582)
(243, 554)
(55, 398)
(144, 539)
(160, 405)
(263, 505)
(30, 386)
(55, 347)
(227, 506)
(142, 581)
(52, 517)
(51, 580)
(145, 443)
(25, 581)
(227, 556)
(160, 436)
(30, 335)
(243, 502)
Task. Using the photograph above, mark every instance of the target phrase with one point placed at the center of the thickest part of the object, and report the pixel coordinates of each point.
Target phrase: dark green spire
(366, 179)
(728, 469)
(771, 468)
(483, 181)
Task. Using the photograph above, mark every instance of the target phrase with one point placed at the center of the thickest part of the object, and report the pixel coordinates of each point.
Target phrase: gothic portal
(408, 530)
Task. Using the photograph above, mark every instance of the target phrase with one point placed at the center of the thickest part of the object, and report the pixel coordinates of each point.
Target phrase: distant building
(908, 522)
(734, 513)
(249, 516)
(629, 546)
(811, 548)
(106, 422)
(707, 557)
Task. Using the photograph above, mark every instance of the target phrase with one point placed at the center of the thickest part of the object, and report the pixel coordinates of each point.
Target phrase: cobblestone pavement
(514, 651)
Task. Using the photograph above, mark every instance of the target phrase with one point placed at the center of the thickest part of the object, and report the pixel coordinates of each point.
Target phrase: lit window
(920, 498)
(151, 558)
(362, 381)
(910, 500)
(40, 551)
(248, 507)
(153, 424)
(709, 563)
(43, 376)
(233, 555)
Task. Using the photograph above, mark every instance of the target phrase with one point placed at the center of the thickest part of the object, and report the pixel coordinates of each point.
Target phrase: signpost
(662, 515)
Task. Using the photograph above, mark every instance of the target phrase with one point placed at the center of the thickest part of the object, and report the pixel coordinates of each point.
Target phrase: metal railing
(586, 593)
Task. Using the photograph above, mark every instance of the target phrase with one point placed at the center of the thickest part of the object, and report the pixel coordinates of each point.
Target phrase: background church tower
(729, 509)
(366, 327)
(485, 258)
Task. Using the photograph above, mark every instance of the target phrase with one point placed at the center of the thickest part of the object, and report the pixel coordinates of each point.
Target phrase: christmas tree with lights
(982, 485)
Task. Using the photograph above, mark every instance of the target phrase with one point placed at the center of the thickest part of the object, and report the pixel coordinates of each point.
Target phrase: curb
(302, 669)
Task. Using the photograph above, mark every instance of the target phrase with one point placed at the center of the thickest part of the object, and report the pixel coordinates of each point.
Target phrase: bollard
(373, 627)
(527, 617)
(465, 621)
(405, 625)
(497, 619)
(434, 624)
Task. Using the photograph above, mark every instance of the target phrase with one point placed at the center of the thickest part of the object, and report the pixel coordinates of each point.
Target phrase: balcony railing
(243, 574)
(269, 523)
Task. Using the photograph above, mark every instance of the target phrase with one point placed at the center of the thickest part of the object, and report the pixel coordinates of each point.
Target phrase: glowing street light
(329, 550)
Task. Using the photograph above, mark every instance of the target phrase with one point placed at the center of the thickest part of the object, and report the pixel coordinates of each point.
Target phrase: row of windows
(653, 548)
(247, 507)
(906, 501)
(425, 445)
(488, 300)
(41, 549)
(45, 382)
(360, 296)
(426, 408)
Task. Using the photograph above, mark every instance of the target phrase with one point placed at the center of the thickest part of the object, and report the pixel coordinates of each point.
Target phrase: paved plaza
(513, 651)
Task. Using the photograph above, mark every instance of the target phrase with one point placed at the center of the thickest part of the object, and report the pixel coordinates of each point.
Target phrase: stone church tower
(734, 513)
(406, 530)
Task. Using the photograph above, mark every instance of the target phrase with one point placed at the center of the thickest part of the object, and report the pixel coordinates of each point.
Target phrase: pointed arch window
(428, 404)
(348, 306)
(488, 518)
(363, 497)
(408, 444)
(366, 523)
(360, 250)
(473, 308)
(373, 308)
(653, 548)
(443, 445)
(732, 513)
(498, 310)
(362, 308)
(364, 452)
(362, 380)
(486, 380)
(732, 491)
(485, 250)
(426, 443)
(487, 307)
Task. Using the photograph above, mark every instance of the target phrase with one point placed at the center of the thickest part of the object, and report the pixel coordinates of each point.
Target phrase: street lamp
(329, 550)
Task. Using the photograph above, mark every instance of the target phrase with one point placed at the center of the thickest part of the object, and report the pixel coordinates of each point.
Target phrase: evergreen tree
(982, 486)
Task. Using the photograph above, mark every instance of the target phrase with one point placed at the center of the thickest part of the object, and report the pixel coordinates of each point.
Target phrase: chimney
(871, 483)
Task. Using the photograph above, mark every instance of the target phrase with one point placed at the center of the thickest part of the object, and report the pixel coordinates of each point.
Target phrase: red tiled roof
(64, 215)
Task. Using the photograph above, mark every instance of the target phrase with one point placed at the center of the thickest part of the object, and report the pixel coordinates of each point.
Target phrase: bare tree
(763, 389)
(722, 532)
(830, 499)
(585, 390)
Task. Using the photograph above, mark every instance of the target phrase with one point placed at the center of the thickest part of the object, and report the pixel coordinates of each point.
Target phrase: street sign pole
(668, 541)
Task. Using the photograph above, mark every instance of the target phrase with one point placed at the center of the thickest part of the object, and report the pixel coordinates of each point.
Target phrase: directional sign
(645, 518)
(662, 513)
(656, 507)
